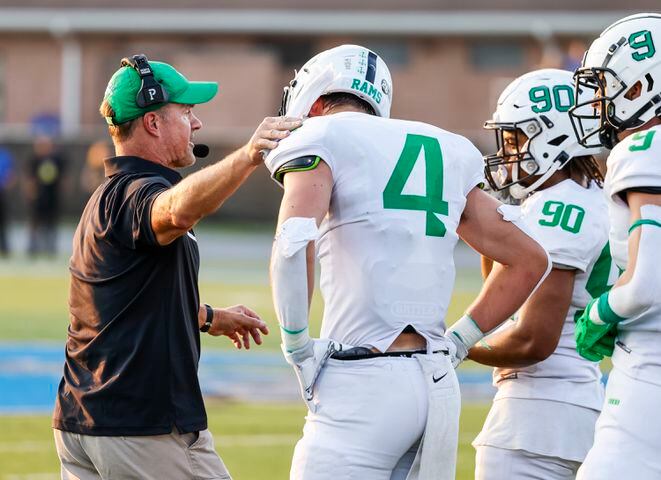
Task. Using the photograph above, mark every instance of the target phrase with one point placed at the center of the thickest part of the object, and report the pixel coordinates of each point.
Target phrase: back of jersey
(386, 247)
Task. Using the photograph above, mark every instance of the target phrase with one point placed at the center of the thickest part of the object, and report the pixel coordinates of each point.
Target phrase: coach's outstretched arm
(178, 209)
(524, 265)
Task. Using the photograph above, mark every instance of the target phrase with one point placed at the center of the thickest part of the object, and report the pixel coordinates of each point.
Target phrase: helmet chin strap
(519, 192)
(608, 138)
(310, 92)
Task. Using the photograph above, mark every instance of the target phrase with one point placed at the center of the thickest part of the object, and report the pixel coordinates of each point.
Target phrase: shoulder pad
(300, 164)
(635, 162)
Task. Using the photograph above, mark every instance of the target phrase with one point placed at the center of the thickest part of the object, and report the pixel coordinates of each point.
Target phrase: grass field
(256, 440)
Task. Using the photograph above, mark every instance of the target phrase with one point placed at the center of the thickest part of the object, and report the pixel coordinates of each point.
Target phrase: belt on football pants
(362, 353)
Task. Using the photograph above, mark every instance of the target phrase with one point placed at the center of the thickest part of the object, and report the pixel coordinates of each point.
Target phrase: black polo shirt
(133, 342)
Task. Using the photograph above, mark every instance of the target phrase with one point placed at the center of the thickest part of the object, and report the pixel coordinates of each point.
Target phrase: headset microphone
(200, 150)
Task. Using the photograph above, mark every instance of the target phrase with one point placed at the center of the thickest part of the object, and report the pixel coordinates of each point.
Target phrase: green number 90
(562, 98)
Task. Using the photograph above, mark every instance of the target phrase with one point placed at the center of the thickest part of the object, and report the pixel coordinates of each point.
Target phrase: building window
(495, 55)
(290, 53)
(394, 53)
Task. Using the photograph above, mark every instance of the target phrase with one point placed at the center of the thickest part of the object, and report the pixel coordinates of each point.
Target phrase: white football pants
(493, 463)
(627, 443)
(371, 416)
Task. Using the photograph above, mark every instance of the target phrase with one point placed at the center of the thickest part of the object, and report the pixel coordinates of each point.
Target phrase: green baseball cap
(124, 85)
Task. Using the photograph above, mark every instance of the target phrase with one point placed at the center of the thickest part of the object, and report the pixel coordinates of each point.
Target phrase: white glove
(308, 362)
(464, 333)
(458, 351)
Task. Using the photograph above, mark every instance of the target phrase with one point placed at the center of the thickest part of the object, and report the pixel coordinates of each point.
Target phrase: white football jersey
(386, 246)
(571, 223)
(635, 162)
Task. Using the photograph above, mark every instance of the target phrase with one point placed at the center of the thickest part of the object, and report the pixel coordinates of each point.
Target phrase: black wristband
(207, 324)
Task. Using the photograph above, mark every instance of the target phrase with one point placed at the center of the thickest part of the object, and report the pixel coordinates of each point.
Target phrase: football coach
(129, 404)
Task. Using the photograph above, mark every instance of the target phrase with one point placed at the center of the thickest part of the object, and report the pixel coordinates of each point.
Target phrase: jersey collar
(129, 164)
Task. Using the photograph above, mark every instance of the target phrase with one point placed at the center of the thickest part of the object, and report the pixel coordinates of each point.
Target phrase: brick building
(449, 59)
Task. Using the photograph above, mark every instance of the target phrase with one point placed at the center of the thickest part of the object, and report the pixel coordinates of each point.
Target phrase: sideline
(30, 373)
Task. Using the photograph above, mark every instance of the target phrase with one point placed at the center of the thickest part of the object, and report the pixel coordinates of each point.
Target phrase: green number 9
(563, 215)
(553, 209)
(541, 95)
(643, 44)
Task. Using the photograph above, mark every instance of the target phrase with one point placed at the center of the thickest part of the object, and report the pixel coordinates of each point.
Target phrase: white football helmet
(623, 55)
(536, 104)
(347, 68)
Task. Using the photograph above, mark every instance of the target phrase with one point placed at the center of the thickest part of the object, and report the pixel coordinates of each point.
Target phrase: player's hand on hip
(267, 135)
(457, 350)
(308, 362)
(239, 323)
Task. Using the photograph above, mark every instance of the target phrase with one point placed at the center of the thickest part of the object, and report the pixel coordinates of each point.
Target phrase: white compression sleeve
(641, 291)
(290, 281)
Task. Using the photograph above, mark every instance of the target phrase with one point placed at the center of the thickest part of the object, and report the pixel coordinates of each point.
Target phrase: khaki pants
(189, 456)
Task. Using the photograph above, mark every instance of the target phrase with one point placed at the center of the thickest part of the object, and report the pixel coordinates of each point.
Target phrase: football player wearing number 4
(384, 201)
(622, 72)
(541, 423)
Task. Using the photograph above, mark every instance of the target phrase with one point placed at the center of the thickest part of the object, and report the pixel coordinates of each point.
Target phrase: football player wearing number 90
(384, 201)
(622, 72)
(541, 423)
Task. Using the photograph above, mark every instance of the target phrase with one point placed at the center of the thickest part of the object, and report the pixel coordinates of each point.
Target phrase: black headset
(151, 92)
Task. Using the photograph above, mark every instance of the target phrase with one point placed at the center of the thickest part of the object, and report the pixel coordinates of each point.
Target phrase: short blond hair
(121, 132)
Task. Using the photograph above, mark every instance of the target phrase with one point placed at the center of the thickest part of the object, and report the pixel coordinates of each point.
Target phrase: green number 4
(569, 217)
(645, 139)
(432, 202)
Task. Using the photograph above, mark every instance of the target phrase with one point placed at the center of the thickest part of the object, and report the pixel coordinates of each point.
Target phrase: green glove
(594, 342)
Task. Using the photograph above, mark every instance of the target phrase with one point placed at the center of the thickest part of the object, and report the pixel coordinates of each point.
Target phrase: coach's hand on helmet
(267, 135)
(239, 323)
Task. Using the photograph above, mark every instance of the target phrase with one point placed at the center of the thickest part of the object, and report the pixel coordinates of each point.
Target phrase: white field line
(32, 476)
(264, 440)
(255, 440)
(252, 440)
(26, 447)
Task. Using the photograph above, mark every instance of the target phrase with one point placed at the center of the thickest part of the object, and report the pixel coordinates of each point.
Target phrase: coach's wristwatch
(207, 324)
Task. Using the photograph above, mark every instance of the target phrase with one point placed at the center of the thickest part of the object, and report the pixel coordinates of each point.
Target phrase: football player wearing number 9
(384, 201)
(541, 423)
(622, 72)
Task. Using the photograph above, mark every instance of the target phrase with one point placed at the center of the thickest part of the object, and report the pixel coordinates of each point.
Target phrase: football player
(622, 72)
(384, 201)
(541, 423)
